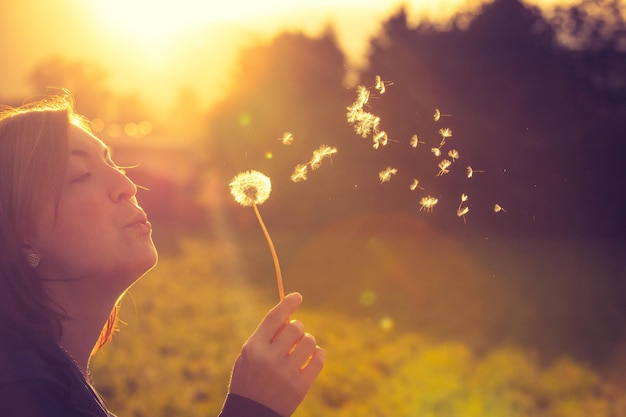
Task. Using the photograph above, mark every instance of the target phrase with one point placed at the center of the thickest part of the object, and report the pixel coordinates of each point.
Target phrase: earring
(33, 259)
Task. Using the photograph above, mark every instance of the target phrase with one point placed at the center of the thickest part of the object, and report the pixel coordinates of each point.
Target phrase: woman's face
(97, 233)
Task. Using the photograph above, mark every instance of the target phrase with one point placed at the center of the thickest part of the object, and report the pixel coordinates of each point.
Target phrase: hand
(279, 362)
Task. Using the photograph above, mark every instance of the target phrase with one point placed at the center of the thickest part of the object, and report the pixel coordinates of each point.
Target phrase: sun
(149, 20)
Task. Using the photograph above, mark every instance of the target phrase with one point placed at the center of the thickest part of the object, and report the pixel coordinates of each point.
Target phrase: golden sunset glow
(157, 48)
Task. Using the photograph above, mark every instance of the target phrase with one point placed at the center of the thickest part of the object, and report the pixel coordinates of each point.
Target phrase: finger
(288, 335)
(303, 350)
(314, 366)
(279, 315)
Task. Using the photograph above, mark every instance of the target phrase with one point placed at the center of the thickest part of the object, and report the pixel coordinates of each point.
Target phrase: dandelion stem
(279, 277)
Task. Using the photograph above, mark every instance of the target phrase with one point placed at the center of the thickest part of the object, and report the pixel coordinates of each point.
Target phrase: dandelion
(415, 141)
(415, 185)
(453, 154)
(443, 167)
(385, 175)
(438, 115)
(252, 188)
(299, 173)
(498, 208)
(428, 203)
(286, 138)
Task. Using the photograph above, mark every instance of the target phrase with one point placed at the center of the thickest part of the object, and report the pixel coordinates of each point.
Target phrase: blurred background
(516, 307)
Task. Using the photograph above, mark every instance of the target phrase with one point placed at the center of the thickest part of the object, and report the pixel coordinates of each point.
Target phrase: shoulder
(32, 398)
(238, 406)
(31, 364)
(31, 384)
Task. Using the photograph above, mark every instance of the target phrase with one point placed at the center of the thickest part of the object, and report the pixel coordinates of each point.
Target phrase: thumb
(279, 315)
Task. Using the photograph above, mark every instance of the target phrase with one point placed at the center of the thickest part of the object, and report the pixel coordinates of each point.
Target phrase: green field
(415, 323)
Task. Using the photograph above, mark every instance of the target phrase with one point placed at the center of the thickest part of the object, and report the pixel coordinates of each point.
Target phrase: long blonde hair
(33, 160)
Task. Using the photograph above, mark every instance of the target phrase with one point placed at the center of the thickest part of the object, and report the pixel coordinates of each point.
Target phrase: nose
(122, 187)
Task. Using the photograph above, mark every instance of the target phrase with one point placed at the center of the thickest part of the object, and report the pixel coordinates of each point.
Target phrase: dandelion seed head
(453, 154)
(250, 188)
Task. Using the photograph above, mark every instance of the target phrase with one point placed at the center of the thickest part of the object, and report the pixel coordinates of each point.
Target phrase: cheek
(74, 227)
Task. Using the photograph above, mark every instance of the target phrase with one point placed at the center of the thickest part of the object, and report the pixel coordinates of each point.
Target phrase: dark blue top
(45, 382)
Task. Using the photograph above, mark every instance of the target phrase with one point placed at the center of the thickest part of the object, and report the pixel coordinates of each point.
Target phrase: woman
(73, 239)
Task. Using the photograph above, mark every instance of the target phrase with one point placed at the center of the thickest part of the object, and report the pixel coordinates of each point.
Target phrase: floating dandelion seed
(299, 173)
(498, 208)
(252, 188)
(453, 154)
(324, 151)
(385, 175)
(471, 171)
(286, 138)
(428, 203)
(380, 139)
(366, 123)
(380, 85)
(445, 132)
(438, 115)
(415, 185)
(415, 141)
(363, 96)
(436, 151)
(461, 212)
(443, 167)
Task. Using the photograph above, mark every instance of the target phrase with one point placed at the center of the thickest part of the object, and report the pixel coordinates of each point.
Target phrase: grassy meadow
(415, 323)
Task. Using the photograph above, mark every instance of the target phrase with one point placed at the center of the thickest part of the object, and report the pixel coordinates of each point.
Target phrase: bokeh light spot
(131, 129)
(387, 323)
(244, 119)
(367, 298)
(269, 155)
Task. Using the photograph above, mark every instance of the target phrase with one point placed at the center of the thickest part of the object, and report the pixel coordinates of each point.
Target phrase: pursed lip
(138, 218)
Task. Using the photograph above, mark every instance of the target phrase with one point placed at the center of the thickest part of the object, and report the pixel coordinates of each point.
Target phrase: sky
(157, 48)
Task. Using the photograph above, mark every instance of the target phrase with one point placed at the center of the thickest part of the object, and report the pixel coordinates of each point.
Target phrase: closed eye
(80, 178)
